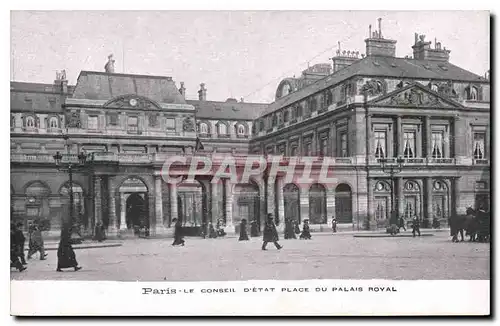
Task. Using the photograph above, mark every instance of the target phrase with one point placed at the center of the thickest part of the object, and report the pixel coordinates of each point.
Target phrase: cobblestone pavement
(323, 257)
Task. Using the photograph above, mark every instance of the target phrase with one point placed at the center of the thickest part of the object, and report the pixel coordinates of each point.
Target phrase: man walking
(14, 256)
(270, 233)
(334, 224)
(36, 242)
(416, 226)
(178, 238)
(19, 241)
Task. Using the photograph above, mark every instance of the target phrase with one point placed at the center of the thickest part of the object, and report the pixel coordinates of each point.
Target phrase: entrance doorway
(137, 212)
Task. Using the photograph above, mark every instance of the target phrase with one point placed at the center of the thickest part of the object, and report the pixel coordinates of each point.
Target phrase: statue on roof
(110, 65)
(63, 74)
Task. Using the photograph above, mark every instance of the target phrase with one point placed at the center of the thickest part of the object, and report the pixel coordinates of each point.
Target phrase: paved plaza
(326, 256)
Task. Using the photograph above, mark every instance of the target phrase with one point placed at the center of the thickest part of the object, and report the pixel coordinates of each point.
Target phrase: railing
(480, 161)
(432, 160)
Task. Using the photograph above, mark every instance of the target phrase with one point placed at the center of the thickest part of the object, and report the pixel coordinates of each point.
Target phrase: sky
(237, 54)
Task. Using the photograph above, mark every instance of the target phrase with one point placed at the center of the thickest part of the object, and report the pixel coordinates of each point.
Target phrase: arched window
(317, 204)
(30, 122)
(474, 94)
(329, 98)
(440, 200)
(203, 128)
(286, 115)
(222, 128)
(240, 130)
(261, 124)
(53, 122)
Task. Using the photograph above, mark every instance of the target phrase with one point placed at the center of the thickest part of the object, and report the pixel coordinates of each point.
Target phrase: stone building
(425, 110)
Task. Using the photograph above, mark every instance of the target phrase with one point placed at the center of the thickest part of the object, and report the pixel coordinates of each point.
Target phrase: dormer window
(53, 122)
(30, 122)
(222, 129)
(240, 130)
(329, 98)
(286, 115)
(203, 128)
(472, 93)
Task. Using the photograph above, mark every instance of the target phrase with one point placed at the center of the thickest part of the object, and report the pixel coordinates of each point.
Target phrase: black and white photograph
(250, 157)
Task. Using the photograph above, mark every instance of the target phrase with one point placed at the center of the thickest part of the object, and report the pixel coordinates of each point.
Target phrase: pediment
(132, 101)
(415, 95)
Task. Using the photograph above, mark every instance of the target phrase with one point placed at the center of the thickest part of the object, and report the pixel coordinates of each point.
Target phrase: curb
(75, 247)
(391, 236)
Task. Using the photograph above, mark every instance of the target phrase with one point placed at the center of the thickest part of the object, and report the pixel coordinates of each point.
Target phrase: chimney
(202, 93)
(376, 45)
(182, 90)
(61, 82)
(422, 50)
(344, 59)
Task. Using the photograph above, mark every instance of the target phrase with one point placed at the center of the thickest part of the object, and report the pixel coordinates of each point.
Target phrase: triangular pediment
(415, 95)
(131, 101)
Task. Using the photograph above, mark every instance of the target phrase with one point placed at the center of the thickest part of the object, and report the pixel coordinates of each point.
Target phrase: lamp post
(392, 169)
(71, 166)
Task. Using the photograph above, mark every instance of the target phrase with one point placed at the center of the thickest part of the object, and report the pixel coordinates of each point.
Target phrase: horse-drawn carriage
(475, 223)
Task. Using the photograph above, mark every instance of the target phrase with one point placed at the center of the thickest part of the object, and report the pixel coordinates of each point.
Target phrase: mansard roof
(380, 66)
(106, 86)
(229, 110)
(36, 97)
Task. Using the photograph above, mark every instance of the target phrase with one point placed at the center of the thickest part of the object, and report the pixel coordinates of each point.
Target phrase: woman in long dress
(306, 234)
(243, 230)
(66, 257)
(178, 238)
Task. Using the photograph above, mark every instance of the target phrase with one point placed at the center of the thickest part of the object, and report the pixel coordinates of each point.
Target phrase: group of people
(65, 254)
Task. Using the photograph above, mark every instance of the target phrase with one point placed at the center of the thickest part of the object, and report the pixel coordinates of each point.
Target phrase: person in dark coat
(296, 227)
(204, 230)
(306, 234)
(254, 229)
(402, 223)
(14, 254)
(334, 224)
(416, 226)
(289, 231)
(20, 241)
(270, 233)
(36, 242)
(212, 234)
(99, 233)
(243, 230)
(220, 228)
(178, 238)
(66, 257)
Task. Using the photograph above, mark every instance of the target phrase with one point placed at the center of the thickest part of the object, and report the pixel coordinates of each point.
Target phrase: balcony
(440, 161)
(480, 161)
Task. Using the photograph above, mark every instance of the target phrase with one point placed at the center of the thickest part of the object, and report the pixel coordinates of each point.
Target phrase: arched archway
(246, 203)
(134, 208)
(343, 203)
(291, 201)
(37, 200)
(317, 204)
(79, 209)
(412, 200)
(382, 201)
(191, 203)
(440, 200)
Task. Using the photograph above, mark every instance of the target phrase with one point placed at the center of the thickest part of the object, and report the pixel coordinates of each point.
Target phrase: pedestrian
(289, 230)
(334, 224)
(178, 238)
(254, 229)
(212, 234)
(36, 242)
(66, 257)
(296, 226)
(203, 230)
(99, 233)
(243, 230)
(20, 241)
(416, 226)
(306, 234)
(14, 254)
(270, 233)
(402, 223)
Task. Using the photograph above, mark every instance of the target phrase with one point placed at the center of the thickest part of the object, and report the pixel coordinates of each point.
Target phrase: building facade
(431, 114)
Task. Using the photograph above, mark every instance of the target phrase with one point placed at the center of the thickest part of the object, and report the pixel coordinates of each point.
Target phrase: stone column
(399, 138)
(112, 206)
(428, 200)
(270, 197)
(369, 202)
(97, 199)
(330, 204)
(214, 202)
(368, 140)
(455, 197)
(280, 199)
(229, 204)
(173, 201)
(159, 227)
(400, 196)
(428, 137)
(123, 212)
(304, 202)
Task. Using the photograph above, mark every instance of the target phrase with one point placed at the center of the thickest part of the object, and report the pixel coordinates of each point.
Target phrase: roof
(106, 86)
(35, 97)
(229, 110)
(386, 67)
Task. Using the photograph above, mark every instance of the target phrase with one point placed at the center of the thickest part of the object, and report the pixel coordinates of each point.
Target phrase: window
(312, 104)
(53, 122)
(380, 144)
(343, 145)
(240, 130)
(170, 124)
(275, 120)
(437, 145)
(409, 144)
(478, 145)
(286, 116)
(30, 122)
(222, 128)
(203, 128)
(93, 123)
(473, 94)
(293, 151)
(132, 123)
(329, 98)
(381, 205)
(282, 150)
(308, 148)
(323, 146)
(298, 110)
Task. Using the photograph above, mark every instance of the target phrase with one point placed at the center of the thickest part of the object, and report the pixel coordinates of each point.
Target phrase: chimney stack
(422, 50)
(376, 45)
(202, 93)
(182, 90)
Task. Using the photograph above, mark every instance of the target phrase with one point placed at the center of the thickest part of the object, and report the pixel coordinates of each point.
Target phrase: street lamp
(71, 166)
(392, 169)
